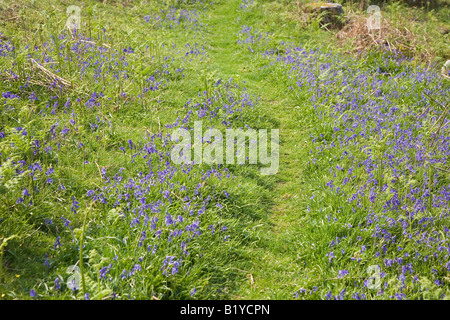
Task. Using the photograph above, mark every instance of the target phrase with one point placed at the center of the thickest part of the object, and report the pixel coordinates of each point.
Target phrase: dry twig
(50, 74)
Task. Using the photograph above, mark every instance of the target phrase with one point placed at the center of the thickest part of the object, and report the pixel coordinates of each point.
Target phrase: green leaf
(146, 71)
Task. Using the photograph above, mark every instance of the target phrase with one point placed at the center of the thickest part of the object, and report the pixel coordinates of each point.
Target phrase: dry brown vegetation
(414, 31)
(392, 37)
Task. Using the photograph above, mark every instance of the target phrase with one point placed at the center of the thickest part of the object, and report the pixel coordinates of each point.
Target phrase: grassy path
(273, 271)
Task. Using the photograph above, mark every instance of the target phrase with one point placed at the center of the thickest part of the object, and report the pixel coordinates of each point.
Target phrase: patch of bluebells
(103, 65)
(164, 215)
(246, 4)
(159, 209)
(249, 36)
(150, 193)
(226, 104)
(6, 47)
(379, 158)
(176, 17)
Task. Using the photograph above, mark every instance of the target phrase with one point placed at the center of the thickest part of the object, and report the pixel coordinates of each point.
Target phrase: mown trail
(273, 270)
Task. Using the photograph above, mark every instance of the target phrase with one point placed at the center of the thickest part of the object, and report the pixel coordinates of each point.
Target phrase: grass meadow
(92, 206)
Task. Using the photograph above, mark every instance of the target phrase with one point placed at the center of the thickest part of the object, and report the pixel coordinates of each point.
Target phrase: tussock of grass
(404, 30)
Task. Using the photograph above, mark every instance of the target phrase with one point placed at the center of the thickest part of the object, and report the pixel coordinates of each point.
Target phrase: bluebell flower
(33, 293)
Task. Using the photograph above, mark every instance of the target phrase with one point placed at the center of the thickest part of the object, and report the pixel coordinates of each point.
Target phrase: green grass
(276, 246)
